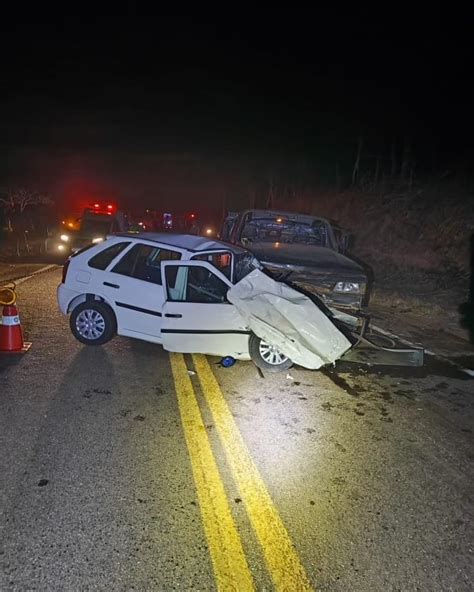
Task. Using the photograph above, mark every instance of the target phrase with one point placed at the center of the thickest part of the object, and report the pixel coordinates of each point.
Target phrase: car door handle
(111, 285)
(173, 316)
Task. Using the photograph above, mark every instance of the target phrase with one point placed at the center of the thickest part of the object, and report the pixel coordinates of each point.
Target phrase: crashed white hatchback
(193, 295)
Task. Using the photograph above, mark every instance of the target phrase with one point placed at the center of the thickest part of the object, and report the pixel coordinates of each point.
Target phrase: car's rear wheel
(93, 323)
(268, 357)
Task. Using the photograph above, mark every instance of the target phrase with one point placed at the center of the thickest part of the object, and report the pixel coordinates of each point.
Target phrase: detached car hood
(299, 256)
(288, 320)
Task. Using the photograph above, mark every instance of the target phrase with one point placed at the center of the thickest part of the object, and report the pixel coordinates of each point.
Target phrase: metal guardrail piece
(367, 352)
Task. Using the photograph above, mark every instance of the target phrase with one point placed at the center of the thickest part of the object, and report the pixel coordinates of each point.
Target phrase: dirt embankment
(419, 234)
(423, 231)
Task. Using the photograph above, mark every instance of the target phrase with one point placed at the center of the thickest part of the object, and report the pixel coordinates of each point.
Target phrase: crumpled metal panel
(288, 320)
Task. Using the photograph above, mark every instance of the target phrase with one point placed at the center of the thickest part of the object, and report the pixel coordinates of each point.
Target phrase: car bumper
(322, 285)
(346, 301)
(65, 296)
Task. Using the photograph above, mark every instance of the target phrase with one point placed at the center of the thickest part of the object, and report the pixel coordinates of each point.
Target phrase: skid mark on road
(280, 555)
(230, 565)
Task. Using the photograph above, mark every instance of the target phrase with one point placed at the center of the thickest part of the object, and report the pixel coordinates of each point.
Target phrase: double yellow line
(231, 569)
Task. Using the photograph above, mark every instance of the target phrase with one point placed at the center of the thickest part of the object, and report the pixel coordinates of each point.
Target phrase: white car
(169, 289)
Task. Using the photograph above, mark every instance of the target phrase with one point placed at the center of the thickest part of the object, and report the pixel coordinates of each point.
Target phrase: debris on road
(227, 362)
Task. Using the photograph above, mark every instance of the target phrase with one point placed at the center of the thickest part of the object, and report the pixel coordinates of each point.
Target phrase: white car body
(141, 307)
(168, 289)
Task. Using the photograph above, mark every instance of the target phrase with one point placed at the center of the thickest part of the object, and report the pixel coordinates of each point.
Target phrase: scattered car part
(227, 361)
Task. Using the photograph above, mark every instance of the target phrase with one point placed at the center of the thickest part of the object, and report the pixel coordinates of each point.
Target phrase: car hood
(321, 259)
(289, 320)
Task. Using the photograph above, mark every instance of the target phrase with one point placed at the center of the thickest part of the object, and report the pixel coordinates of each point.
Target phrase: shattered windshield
(283, 230)
(244, 264)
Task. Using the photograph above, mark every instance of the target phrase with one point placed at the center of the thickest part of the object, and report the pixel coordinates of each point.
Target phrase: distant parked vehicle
(96, 222)
(304, 250)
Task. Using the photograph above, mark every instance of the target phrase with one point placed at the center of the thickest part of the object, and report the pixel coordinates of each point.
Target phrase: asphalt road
(125, 468)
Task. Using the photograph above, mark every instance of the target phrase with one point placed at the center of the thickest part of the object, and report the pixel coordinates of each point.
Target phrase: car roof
(189, 242)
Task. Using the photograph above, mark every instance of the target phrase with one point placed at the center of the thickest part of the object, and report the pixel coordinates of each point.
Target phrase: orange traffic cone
(11, 335)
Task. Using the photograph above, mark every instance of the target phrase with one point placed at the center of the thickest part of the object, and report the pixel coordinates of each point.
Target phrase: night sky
(94, 102)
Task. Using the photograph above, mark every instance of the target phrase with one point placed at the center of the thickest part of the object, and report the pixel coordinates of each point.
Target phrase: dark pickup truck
(304, 250)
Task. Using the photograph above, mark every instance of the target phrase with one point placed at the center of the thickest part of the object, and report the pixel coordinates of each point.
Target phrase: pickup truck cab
(307, 251)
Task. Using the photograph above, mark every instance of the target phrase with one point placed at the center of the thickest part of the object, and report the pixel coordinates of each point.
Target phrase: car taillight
(65, 268)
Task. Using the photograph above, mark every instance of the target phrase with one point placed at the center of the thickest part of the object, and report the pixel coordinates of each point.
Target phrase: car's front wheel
(93, 323)
(267, 357)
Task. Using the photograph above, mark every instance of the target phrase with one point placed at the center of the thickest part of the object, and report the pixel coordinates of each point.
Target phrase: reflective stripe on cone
(11, 320)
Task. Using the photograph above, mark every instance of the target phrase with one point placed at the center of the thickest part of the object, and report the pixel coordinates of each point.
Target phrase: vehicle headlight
(99, 239)
(348, 287)
(64, 237)
(61, 247)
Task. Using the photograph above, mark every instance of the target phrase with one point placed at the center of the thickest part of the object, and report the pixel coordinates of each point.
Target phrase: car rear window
(80, 251)
(103, 259)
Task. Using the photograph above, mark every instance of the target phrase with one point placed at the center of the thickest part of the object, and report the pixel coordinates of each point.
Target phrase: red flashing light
(110, 206)
(96, 205)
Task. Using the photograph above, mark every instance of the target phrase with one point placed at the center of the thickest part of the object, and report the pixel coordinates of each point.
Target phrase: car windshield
(95, 228)
(282, 230)
(244, 264)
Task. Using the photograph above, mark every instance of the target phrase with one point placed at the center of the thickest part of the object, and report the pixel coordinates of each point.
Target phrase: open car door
(197, 317)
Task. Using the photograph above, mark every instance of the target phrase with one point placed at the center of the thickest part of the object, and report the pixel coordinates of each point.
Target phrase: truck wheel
(93, 323)
(267, 357)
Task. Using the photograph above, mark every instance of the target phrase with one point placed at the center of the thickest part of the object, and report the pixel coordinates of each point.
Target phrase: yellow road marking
(282, 560)
(230, 565)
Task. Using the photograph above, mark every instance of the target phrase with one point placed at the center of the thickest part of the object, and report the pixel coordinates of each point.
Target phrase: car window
(195, 284)
(245, 264)
(103, 259)
(80, 251)
(221, 261)
(143, 262)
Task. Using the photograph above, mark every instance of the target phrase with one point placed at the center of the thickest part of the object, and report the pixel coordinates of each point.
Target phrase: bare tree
(270, 201)
(406, 161)
(355, 170)
(15, 202)
(393, 159)
(20, 198)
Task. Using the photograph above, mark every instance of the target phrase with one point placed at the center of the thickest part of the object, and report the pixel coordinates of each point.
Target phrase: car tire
(93, 323)
(266, 356)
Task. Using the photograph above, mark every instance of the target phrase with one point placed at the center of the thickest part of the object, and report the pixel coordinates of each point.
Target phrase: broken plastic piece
(227, 362)
(191, 372)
